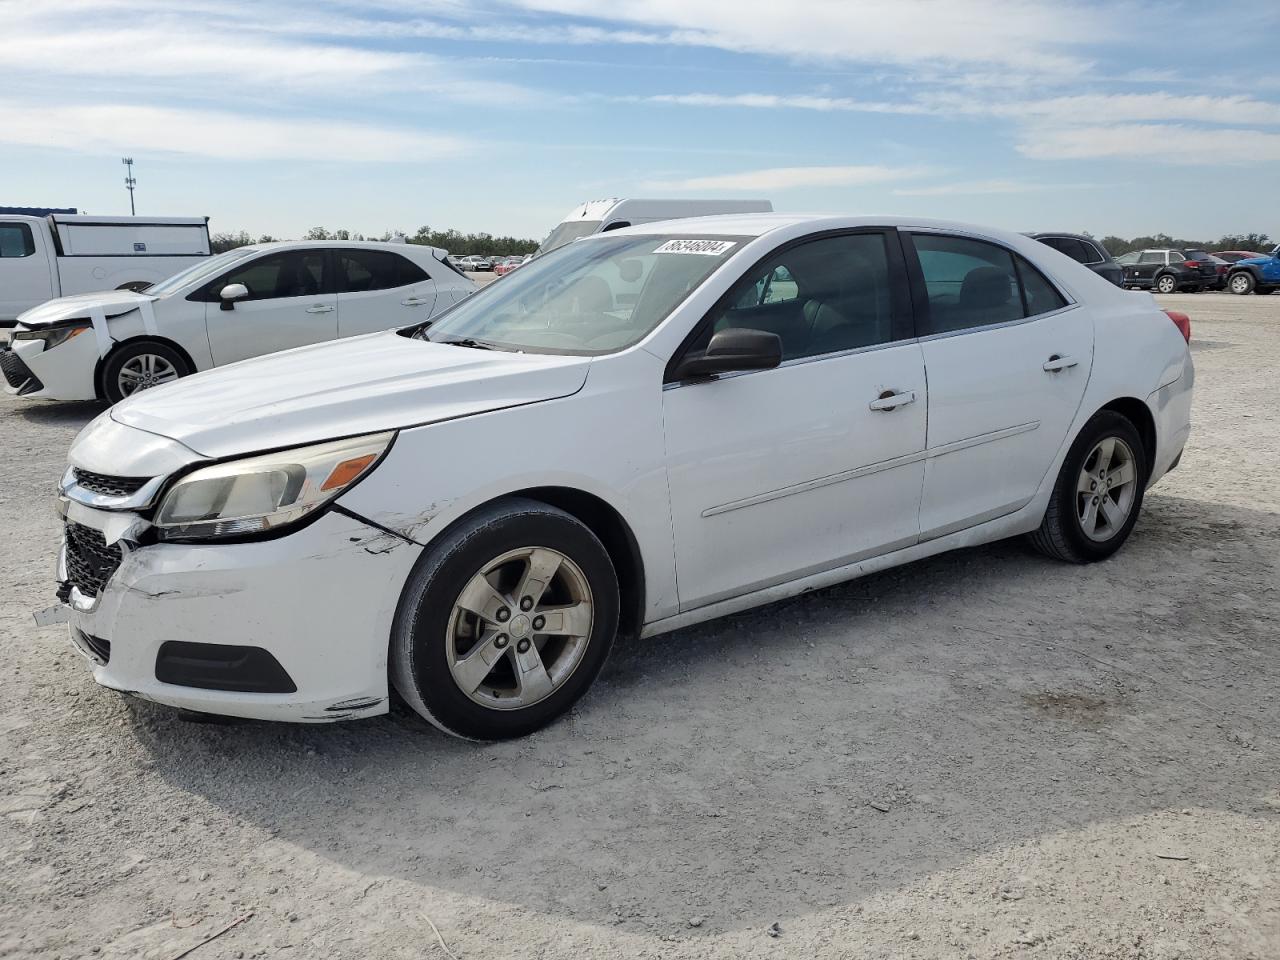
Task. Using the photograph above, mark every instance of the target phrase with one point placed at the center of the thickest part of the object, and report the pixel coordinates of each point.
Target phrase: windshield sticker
(706, 248)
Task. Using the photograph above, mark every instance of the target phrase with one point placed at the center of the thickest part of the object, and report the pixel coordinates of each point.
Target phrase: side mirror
(231, 293)
(731, 350)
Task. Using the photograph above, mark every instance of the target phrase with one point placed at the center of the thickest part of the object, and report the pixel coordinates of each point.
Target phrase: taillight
(1182, 322)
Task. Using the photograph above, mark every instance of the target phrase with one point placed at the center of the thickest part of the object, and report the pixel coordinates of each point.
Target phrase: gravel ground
(985, 754)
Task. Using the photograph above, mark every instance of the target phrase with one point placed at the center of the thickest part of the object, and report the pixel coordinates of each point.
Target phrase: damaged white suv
(636, 432)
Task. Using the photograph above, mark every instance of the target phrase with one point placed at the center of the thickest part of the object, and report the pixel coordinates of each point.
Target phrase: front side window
(16, 241)
(971, 283)
(822, 296)
(364, 270)
(297, 273)
(586, 298)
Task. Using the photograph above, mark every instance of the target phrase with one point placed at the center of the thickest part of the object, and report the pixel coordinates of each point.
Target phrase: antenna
(129, 182)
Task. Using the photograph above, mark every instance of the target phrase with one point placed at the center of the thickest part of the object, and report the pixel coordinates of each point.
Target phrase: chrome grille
(106, 485)
(90, 562)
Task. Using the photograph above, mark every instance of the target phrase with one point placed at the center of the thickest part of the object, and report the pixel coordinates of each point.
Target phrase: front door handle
(1056, 363)
(320, 308)
(413, 302)
(889, 400)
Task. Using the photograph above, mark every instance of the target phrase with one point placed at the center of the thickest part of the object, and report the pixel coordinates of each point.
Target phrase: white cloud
(770, 101)
(982, 188)
(113, 128)
(1034, 35)
(1153, 143)
(788, 178)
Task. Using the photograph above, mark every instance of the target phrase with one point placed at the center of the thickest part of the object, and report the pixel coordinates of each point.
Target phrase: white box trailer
(66, 254)
(614, 213)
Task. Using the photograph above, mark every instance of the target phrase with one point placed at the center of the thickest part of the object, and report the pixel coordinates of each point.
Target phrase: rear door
(26, 269)
(1144, 271)
(291, 303)
(1007, 357)
(777, 474)
(379, 290)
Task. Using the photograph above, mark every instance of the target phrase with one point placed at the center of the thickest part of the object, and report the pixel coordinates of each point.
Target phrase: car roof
(755, 225)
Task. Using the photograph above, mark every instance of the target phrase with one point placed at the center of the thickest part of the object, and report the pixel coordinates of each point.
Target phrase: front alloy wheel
(519, 628)
(505, 621)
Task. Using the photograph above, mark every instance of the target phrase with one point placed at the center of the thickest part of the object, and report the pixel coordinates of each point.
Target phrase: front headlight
(54, 335)
(265, 492)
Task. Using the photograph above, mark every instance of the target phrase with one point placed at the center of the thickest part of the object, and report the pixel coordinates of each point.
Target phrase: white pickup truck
(63, 254)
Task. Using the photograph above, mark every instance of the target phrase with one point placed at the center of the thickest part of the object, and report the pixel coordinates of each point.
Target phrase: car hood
(112, 302)
(381, 381)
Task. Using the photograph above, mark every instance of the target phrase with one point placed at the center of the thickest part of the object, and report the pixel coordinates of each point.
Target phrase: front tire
(140, 365)
(505, 621)
(1241, 283)
(1098, 494)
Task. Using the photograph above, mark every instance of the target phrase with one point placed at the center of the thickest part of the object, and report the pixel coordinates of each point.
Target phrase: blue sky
(274, 116)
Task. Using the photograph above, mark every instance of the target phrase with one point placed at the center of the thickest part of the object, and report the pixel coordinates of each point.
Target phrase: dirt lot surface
(986, 754)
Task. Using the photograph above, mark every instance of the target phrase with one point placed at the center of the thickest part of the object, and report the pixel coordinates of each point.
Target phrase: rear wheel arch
(99, 385)
(1139, 414)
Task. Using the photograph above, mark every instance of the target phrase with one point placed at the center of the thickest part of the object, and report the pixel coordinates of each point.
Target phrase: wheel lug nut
(504, 615)
(1095, 499)
(522, 646)
(539, 622)
(500, 641)
(526, 603)
(1093, 484)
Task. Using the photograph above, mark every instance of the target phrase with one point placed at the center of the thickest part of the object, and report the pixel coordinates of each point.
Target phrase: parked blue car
(1260, 274)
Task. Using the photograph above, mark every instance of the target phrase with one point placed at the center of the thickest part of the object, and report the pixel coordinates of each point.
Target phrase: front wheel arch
(99, 384)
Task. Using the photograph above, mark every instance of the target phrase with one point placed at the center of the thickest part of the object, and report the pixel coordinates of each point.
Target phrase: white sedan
(243, 303)
(637, 432)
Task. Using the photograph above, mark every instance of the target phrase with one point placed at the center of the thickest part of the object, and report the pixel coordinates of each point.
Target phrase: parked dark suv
(1166, 271)
(1084, 250)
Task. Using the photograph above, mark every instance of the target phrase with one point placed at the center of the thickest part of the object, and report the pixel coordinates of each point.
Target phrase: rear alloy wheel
(1167, 284)
(505, 621)
(140, 366)
(1098, 495)
(1241, 283)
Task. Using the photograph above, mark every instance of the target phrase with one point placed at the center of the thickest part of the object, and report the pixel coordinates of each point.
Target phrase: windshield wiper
(469, 342)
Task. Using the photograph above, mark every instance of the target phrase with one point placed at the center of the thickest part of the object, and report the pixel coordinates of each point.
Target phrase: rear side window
(971, 283)
(16, 240)
(364, 270)
(1072, 247)
(1151, 256)
(276, 276)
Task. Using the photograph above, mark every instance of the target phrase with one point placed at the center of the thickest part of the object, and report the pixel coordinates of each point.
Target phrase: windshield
(198, 271)
(567, 232)
(587, 298)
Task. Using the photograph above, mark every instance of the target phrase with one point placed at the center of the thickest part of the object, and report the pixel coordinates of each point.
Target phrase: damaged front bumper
(305, 616)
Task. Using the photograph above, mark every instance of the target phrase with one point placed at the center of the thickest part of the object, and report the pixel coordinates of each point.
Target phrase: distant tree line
(457, 243)
(1246, 241)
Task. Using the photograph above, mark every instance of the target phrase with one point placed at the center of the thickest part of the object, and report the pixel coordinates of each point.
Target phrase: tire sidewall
(419, 635)
(1104, 424)
(1161, 282)
(116, 360)
(1247, 284)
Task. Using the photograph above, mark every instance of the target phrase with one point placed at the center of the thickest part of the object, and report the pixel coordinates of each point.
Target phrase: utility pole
(129, 181)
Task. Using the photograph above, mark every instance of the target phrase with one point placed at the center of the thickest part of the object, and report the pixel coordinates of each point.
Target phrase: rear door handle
(413, 302)
(888, 400)
(1056, 363)
(320, 308)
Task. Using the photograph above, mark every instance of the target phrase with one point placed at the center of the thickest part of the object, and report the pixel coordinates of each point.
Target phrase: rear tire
(1098, 494)
(1242, 284)
(139, 365)
(1166, 283)
(473, 649)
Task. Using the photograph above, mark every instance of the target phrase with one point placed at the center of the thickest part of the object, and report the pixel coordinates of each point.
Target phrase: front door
(26, 273)
(1008, 358)
(379, 290)
(777, 474)
(290, 304)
